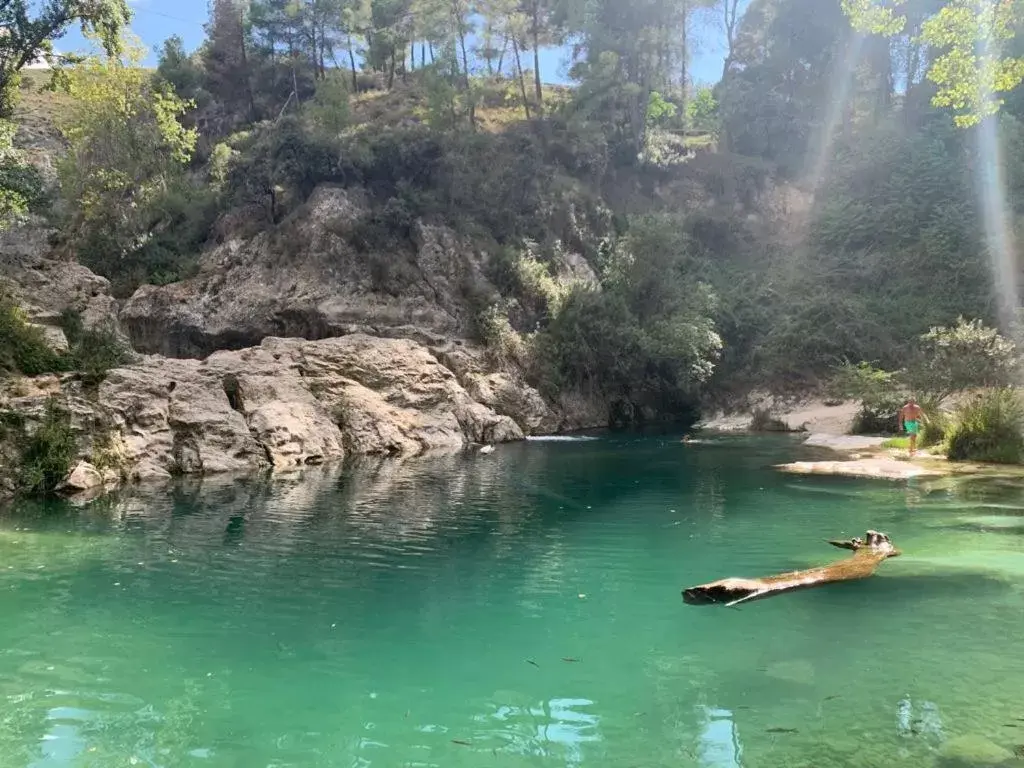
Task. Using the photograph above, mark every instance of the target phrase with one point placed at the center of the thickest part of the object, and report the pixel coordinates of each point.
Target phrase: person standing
(911, 419)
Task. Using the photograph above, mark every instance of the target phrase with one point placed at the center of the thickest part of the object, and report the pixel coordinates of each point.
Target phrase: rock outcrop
(285, 404)
(45, 287)
(308, 279)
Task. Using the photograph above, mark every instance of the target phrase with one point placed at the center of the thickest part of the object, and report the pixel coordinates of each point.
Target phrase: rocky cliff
(279, 402)
(307, 278)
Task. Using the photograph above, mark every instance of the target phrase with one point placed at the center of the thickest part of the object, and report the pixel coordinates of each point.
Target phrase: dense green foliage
(23, 347)
(988, 427)
(21, 186)
(123, 174)
(645, 336)
(47, 451)
(30, 30)
(948, 361)
(818, 204)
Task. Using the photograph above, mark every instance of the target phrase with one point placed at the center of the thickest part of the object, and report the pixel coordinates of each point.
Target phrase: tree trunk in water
(867, 555)
(522, 80)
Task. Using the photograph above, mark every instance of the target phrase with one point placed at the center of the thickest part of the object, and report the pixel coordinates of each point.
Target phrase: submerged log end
(873, 549)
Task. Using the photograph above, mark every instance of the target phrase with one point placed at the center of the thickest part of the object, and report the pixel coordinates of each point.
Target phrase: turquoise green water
(418, 613)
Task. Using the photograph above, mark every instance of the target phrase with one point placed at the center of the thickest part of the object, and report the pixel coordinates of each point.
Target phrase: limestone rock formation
(307, 279)
(285, 404)
(84, 477)
(46, 286)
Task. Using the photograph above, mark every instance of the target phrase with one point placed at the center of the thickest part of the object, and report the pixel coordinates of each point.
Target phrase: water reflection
(557, 727)
(719, 740)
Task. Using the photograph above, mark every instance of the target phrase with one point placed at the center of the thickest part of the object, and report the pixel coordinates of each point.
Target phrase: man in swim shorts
(911, 417)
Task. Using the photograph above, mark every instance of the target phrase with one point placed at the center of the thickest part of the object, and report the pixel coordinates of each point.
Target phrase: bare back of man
(911, 419)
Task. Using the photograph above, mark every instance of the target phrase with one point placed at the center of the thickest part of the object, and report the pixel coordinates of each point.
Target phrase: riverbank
(827, 426)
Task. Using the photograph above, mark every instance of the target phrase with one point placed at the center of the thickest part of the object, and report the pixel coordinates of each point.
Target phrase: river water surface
(518, 609)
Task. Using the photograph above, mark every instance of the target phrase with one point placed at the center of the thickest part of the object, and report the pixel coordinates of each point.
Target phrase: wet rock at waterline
(287, 403)
(84, 477)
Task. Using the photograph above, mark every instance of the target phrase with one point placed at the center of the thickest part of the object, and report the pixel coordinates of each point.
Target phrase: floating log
(867, 554)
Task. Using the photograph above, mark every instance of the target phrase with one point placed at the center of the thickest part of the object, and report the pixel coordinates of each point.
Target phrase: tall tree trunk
(250, 100)
(391, 70)
(522, 80)
(684, 64)
(535, 23)
(352, 63)
(423, 55)
(412, 56)
(501, 55)
(431, 48)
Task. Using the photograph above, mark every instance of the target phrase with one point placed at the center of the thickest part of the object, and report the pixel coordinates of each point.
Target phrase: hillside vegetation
(818, 205)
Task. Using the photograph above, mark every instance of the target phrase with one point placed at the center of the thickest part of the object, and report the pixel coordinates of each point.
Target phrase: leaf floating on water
(462, 743)
(569, 659)
(781, 730)
(833, 696)
(531, 661)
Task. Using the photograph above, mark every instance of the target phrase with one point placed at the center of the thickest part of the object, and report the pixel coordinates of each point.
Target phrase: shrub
(23, 347)
(861, 381)
(47, 453)
(93, 351)
(936, 425)
(879, 416)
(990, 427)
(962, 357)
(763, 421)
(21, 185)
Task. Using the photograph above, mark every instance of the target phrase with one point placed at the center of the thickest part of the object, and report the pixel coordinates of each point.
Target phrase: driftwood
(867, 554)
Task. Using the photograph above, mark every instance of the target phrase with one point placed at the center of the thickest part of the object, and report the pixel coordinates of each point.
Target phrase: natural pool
(517, 609)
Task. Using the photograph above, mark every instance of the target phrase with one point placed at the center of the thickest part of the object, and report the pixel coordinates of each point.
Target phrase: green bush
(93, 351)
(763, 421)
(23, 347)
(936, 424)
(989, 427)
(47, 453)
(878, 417)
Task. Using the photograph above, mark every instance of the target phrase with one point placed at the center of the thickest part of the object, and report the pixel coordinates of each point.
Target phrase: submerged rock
(972, 751)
